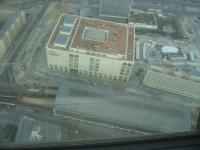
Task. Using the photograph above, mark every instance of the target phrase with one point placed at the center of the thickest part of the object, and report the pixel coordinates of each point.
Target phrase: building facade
(172, 84)
(92, 47)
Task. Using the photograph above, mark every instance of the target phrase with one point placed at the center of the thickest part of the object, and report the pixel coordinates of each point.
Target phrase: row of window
(125, 69)
(58, 68)
(102, 76)
(89, 73)
(94, 65)
(73, 61)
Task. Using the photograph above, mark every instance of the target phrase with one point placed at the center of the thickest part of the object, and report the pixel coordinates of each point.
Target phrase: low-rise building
(92, 47)
(172, 84)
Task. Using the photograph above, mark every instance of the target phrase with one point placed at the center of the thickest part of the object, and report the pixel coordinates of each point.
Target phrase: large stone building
(13, 24)
(91, 47)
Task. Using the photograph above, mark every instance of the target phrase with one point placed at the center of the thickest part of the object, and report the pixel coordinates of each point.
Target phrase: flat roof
(117, 39)
(142, 17)
(101, 104)
(47, 132)
(101, 36)
(172, 84)
(95, 34)
(115, 8)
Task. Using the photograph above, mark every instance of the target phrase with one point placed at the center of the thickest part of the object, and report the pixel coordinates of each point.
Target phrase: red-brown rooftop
(101, 36)
(93, 35)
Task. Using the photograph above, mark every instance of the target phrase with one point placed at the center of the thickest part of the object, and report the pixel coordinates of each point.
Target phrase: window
(86, 73)
(61, 68)
(56, 67)
(66, 69)
(51, 67)
(73, 61)
(95, 74)
(94, 65)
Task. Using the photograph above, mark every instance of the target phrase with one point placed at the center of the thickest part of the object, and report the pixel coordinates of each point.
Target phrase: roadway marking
(104, 125)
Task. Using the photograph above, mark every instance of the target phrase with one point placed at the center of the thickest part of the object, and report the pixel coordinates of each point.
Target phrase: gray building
(9, 30)
(115, 10)
(119, 109)
(31, 130)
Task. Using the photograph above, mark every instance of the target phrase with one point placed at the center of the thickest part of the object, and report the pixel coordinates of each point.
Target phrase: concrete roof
(118, 8)
(127, 110)
(48, 132)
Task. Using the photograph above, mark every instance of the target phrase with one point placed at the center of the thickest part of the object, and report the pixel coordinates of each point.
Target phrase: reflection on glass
(95, 70)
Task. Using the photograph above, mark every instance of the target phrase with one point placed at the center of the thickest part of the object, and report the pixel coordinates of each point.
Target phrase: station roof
(95, 103)
(47, 132)
(118, 8)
